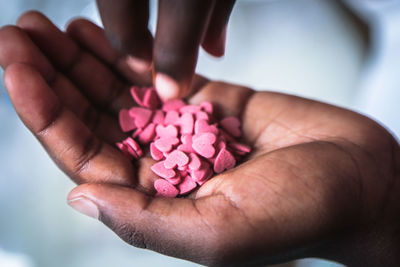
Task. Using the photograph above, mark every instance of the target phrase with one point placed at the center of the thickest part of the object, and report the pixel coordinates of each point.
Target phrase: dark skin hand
(321, 181)
(182, 27)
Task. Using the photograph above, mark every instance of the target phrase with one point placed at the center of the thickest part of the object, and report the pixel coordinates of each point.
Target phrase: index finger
(181, 27)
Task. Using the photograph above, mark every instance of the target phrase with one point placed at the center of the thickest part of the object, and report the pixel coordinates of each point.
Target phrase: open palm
(319, 180)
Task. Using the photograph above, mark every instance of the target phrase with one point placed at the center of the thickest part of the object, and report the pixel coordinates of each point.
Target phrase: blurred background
(342, 52)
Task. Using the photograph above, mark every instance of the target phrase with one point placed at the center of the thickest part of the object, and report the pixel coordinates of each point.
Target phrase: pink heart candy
(182, 169)
(130, 150)
(185, 140)
(165, 189)
(226, 136)
(126, 122)
(172, 117)
(204, 173)
(224, 161)
(207, 107)
(138, 94)
(150, 99)
(186, 122)
(177, 179)
(221, 144)
(148, 133)
(190, 109)
(161, 171)
(186, 145)
(134, 146)
(203, 144)
(231, 125)
(200, 183)
(195, 162)
(158, 117)
(124, 150)
(165, 144)
(201, 115)
(175, 104)
(183, 173)
(187, 185)
(141, 116)
(240, 148)
(155, 153)
(176, 158)
(166, 131)
(202, 126)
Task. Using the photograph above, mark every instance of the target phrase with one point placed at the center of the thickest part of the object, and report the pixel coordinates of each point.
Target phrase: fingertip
(215, 45)
(74, 24)
(138, 65)
(85, 206)
(83, 190)
(11, 74)
(81, 200)
(216, 50)
(167, 87)
(30, 16)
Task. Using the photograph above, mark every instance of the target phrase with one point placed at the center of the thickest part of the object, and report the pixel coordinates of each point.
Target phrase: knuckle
(91, 148)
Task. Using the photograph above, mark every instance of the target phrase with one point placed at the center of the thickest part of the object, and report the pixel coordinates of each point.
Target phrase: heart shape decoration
(202, 126)
(174, 104)
(164, 188)
(126, 121)
(231, 125)
(186, 145)
(195, 162)
(165, 144)
(202, 174)
(155, 153)
(186, 123)
(172, 117)
(203, 144)
(190, 109)
(138, 94)
(163, 172)
(187, 185)
(147, 135)
(141, 116)
(166, 131)
(150, 99)
(224, 161)
(158, 117)
(176, 158)
(207, 107)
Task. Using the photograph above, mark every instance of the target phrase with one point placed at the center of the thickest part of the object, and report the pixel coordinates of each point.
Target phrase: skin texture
(321, 181)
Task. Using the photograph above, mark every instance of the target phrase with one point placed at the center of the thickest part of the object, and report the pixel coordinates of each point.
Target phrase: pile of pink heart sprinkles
(186, 140)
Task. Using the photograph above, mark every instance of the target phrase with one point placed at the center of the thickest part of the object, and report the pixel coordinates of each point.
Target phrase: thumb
(173, 227)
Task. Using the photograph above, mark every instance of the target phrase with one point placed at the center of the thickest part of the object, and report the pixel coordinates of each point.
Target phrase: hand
(182, 26)
(321, 181)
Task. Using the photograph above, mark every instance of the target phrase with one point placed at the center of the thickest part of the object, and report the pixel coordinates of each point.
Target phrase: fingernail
(166, 87)
(137, 64)
(85, 206)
